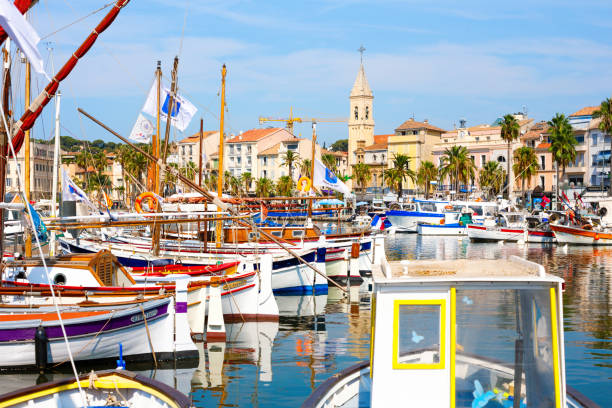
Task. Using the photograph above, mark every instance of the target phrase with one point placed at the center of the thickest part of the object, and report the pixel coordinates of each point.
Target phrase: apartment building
(271, 160)
(41, 171)
(376, 156)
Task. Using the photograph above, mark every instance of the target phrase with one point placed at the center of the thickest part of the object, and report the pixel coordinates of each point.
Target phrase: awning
(332, 201)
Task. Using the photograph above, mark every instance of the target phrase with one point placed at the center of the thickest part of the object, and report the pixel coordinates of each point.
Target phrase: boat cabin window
(417, 334)
(504, 348)
(476, 209)
(277, 234)
(298, 233)
(514, 218)
(253, 235)
(59, 279)
(428, 207)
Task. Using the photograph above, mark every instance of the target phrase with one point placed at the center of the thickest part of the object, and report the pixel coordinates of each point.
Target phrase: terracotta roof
(337, 154)
(253, 135)
(586, 111)
(536, 131)
(543, 146)
(413, 124)
(483, 127)
(196, 137)
(377, 146)
(271, 151)
(90, 169)
(381, 138)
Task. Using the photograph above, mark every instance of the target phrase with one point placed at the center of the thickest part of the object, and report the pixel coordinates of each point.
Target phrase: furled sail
(31, 114)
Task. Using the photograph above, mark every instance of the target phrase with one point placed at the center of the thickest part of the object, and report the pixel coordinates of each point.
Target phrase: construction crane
(291, 120)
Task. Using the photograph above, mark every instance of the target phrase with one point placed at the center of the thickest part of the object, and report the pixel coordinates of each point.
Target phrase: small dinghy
(112, 388)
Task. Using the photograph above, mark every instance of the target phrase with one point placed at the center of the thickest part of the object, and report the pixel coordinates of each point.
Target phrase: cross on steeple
(361, 50)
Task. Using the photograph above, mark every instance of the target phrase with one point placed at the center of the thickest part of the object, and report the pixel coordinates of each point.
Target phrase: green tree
(402, 172)
(264, 187)
(491, 178)
(246, 180)
(329, 160)
(525, 166)
(84, 159)
(340, 145)
(605, 125)
(457, 165)
(362, 174)
(290, 159)
(234, 184)
(305, 167)
(562, 144)
(426, 174)
(226, 180)
(189, 170)
(510, 131)
(284, 186)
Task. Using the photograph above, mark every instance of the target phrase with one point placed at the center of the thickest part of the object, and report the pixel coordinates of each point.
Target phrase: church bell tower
(361, 118)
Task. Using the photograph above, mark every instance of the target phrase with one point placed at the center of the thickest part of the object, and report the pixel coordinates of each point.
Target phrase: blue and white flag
(324, 177)
(143, 130)
(72, 192)
(182, 110)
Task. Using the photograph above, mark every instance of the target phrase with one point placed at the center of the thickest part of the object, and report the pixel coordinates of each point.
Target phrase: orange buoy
(304, 184)
(150, 198)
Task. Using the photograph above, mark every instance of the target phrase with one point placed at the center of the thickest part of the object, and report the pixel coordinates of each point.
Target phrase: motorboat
(503, 227)
(436, 342)
(406, 216)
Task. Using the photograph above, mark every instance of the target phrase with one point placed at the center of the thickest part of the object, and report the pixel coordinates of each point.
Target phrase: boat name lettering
(234, 284)
(148, 315)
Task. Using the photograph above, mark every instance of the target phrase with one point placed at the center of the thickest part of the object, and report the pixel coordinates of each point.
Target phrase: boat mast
(56, 153)
(201, 141)
(152, 171)
(4, 133)
(26, 142)
(158, 182)
(312, 163)
(220, 167)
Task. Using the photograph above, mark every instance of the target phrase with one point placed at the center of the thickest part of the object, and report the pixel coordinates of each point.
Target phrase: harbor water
(265, 364)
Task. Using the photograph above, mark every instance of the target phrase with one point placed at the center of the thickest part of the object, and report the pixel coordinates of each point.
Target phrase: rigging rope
(78, 20)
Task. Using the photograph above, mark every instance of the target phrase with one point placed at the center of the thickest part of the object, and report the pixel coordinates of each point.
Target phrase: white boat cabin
(462, 333)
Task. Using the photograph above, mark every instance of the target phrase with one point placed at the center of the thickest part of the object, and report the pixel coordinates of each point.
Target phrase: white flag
(324, 177)
(142, 130)
(20, 31)
(182, 109)
(72, 192)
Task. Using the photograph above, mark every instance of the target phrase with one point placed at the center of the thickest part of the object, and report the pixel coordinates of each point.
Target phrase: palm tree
(226, 180)
(264, 187)
(84, 160)
(246, 180)
(234, 184)
(605, 114)
(457, 165)
(525, 166)
(392, 179)
(426, 174)
(403, 172)
(562, 143)
(211, 181)
(510, 131)
(491, 178)
(290, 159)
(362, 174)
(189, 170)
(305, 167)
(284, 186)
(329, 160)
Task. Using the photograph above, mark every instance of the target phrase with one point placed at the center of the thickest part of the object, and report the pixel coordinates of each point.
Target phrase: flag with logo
(142, 130)
(72, 192)
(325, 178)
(545, 201)
(22, 33)
(182, 110)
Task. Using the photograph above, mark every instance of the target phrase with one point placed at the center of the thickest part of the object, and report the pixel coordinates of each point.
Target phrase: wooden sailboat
(102, 388)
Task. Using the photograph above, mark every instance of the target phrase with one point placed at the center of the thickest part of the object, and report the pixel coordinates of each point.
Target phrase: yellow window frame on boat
(419, 302)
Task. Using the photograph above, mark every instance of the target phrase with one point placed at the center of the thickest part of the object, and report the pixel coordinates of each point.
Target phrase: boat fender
(448, 207)
(355, 250)
(146, 196)
(41, 342)
(442, 221)
(304, 184)
(596, 237)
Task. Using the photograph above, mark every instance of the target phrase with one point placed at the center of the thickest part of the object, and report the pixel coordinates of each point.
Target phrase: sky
(441, 61)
